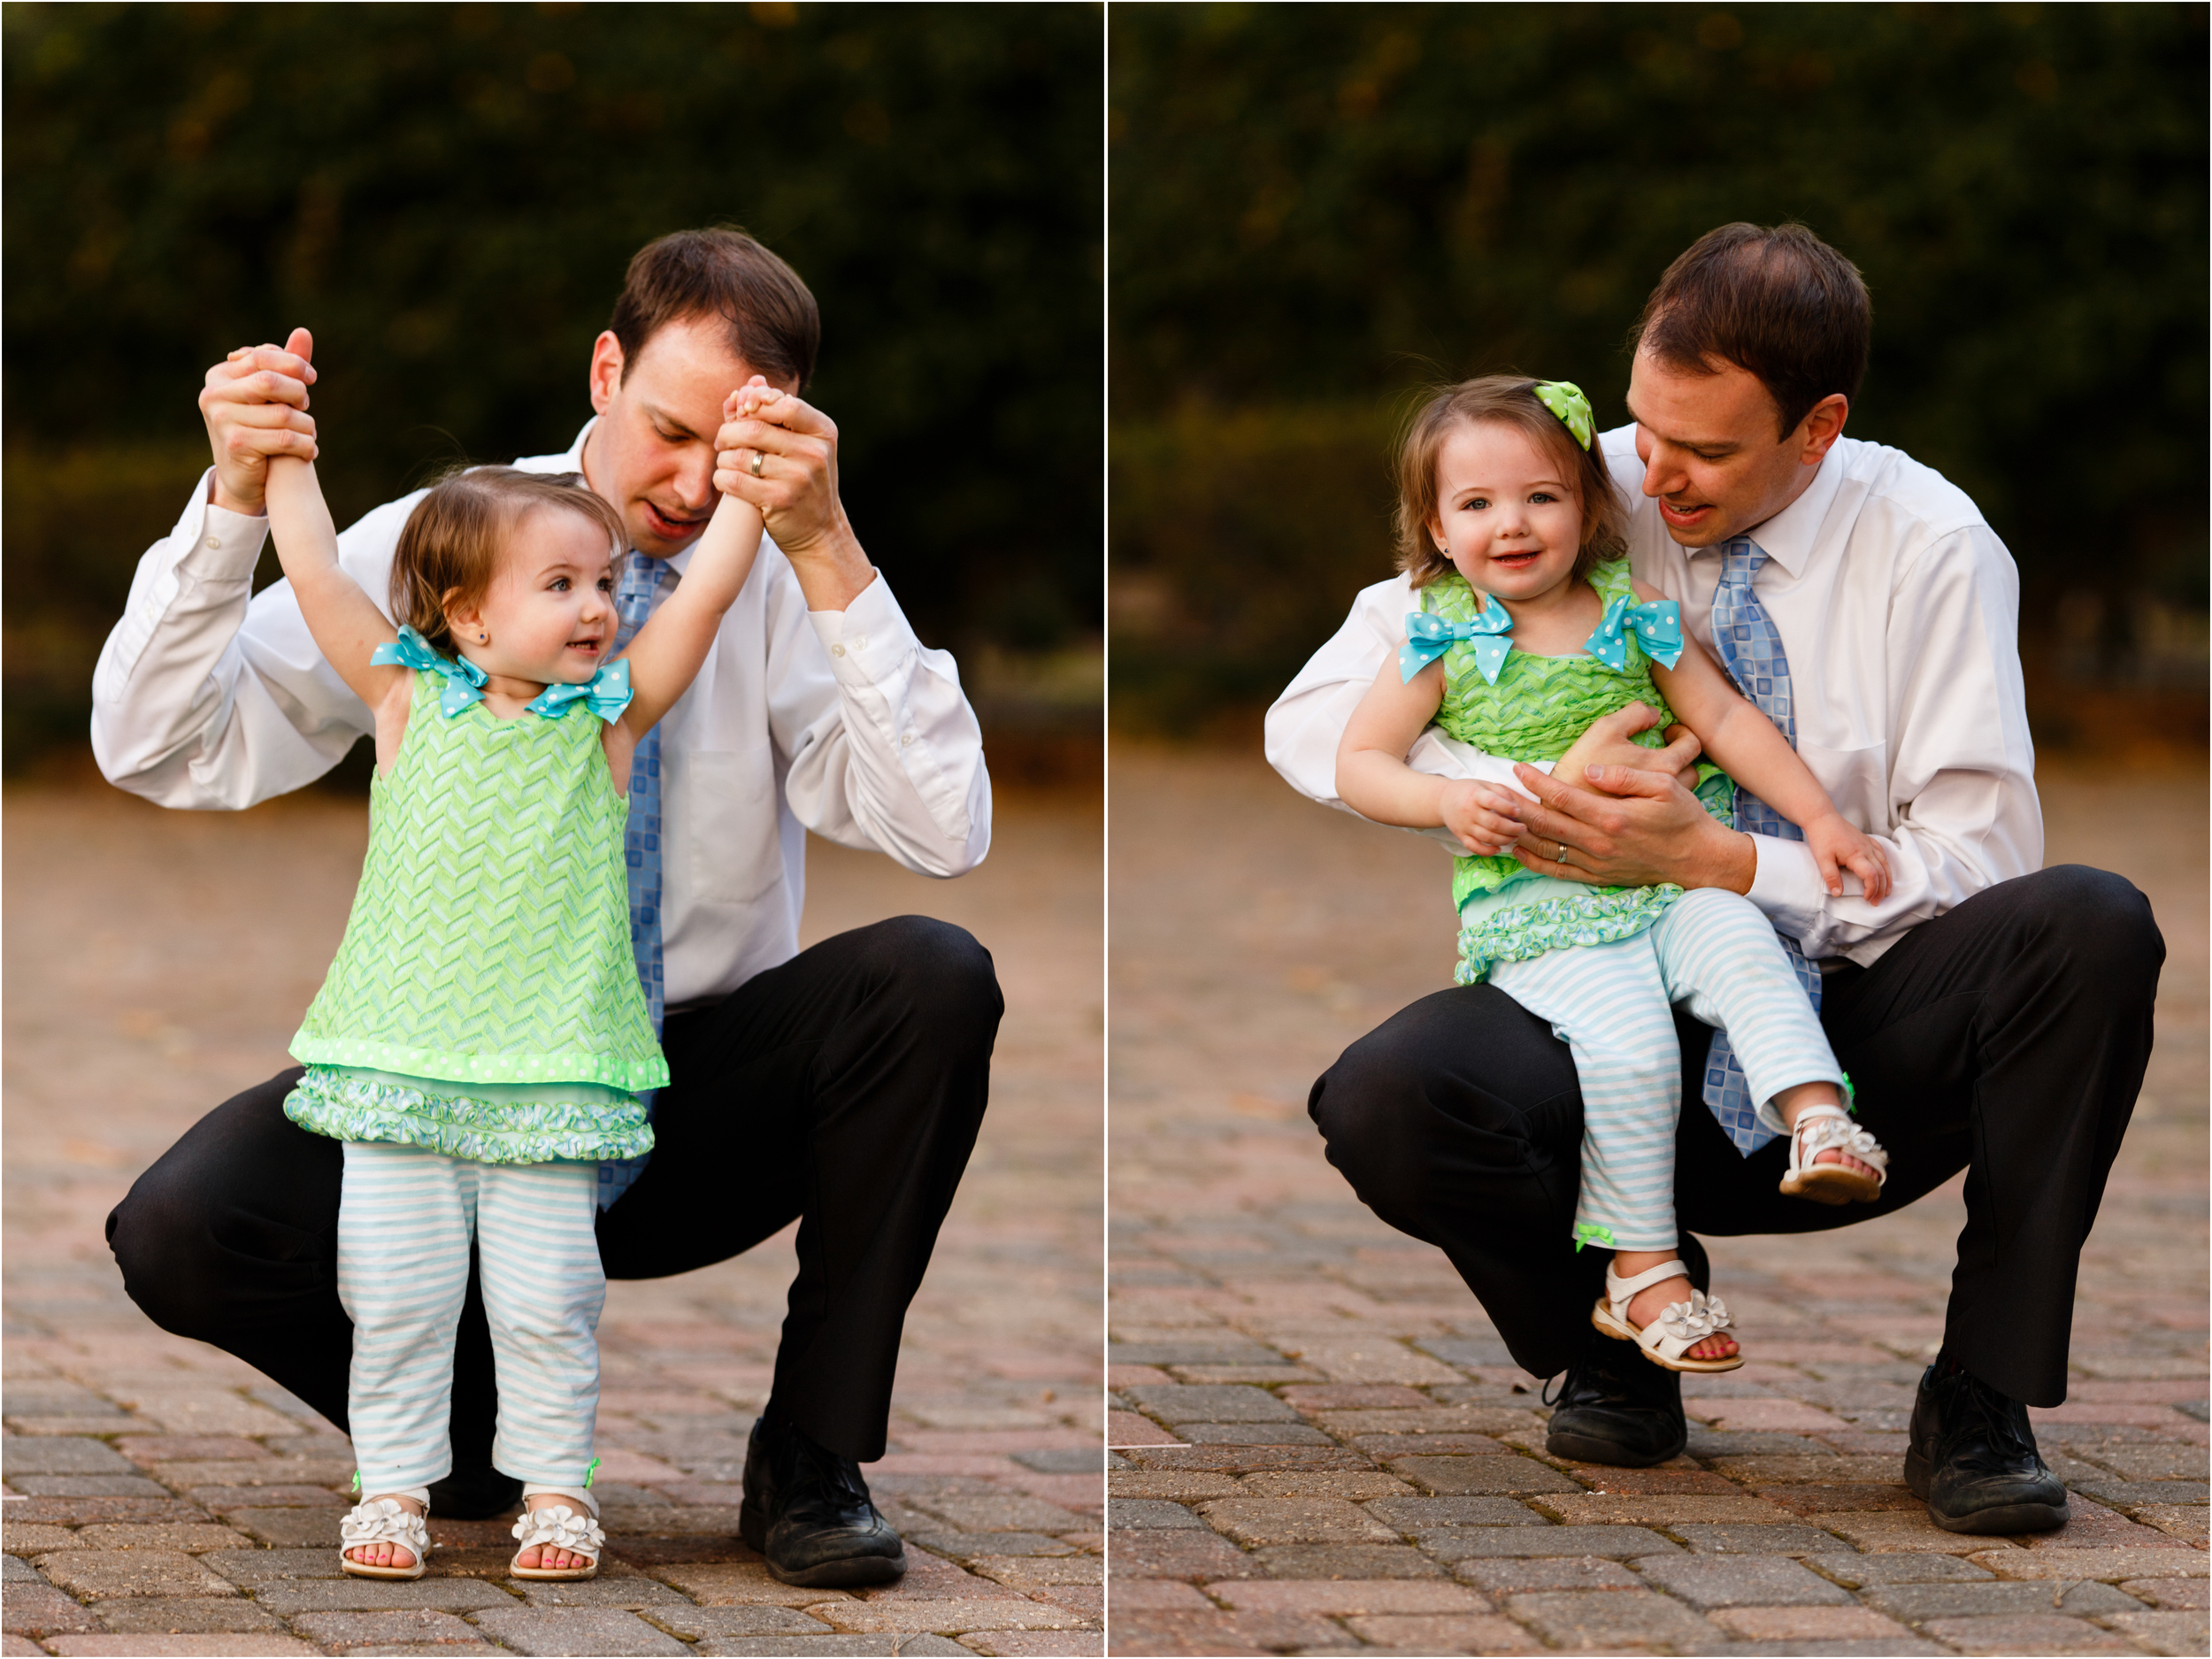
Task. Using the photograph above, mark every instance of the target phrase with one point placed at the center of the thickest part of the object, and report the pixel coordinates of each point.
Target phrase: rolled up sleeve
(1963, 810)
(206, 694)
(887, 752)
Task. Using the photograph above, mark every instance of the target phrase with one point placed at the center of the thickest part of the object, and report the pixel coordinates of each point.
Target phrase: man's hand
(255, 405)
(1480, 814)
(1605, 742)
(780, 453)
(1627, 827)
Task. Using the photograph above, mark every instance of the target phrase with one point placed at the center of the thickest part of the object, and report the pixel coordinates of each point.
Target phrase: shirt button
(215, 541)
(905, 741)
(837, 651)
(860, 641)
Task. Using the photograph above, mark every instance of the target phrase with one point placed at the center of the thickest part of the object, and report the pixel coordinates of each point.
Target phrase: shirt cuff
(229, 544)
(869, 638)
(1786, 885)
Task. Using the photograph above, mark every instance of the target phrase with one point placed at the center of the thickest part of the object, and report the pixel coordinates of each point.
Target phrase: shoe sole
(2006, 1519)
(845, 1573)
(1832, 1189)
(2002, 1518)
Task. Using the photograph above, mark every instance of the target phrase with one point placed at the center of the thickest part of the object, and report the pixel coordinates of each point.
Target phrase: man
(842, 1086)
(1992, 1015)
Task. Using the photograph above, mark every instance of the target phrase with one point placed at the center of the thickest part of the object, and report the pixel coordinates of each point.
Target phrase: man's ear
(606, 371)
(1819, 431)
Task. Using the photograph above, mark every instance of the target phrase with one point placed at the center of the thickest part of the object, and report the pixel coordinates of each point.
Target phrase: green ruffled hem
(349, 1107)
(614, 1070)
(1529, 929)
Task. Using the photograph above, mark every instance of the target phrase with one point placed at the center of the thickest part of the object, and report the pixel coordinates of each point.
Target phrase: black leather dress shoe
(1617, 1407)
(808, 1511)
(474, 1494)
(1972, 1457)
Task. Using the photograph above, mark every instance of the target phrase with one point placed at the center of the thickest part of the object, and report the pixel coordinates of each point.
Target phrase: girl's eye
(560, 585)
(1542, 496)
(1480, 504)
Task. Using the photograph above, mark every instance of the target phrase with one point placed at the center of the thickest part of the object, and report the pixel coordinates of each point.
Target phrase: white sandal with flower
(1681, 1327)
(385, 1520)
(558, 1527)
(1829, 1128)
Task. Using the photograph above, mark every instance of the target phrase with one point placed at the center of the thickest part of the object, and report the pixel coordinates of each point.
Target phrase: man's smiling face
(652, 453)
(1711, 456)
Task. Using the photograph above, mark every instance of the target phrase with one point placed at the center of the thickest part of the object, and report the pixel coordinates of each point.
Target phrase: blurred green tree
(448, 195)
(1315, 207)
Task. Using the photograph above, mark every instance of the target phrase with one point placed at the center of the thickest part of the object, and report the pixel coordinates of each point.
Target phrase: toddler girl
(1531, 628)
(482, 1038)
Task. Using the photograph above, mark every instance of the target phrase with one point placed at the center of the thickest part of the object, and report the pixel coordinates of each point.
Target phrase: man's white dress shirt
(838, 722)
(1899, 609)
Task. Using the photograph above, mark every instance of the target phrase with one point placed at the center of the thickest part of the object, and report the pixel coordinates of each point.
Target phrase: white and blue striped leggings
(404, 1219)
(1714, 954)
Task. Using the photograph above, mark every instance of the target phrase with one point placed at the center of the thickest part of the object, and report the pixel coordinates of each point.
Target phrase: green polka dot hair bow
(1565, 400)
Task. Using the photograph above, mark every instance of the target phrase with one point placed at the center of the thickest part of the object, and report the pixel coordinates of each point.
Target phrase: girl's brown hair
(449, 550)
(1509, 400)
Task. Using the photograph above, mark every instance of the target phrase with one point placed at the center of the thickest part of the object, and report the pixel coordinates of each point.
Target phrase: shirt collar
(1789, 537)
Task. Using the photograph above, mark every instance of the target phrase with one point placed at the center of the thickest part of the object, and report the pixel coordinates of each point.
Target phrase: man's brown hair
(1509, 400)
(774, 323)
(448, 552)
(1779, 303)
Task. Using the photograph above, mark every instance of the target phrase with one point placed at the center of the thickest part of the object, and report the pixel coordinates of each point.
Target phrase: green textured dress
(485, 1002)
(1534, 711)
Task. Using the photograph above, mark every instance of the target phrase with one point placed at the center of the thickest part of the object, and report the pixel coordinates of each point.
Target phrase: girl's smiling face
(1506, 514)
(549, 609)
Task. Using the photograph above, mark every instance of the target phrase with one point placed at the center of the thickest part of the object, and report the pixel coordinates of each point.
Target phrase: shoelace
(2004, 1419)
(839, 1475)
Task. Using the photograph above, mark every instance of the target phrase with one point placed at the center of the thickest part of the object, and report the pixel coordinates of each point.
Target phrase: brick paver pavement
(162, 1498)
(1323, 1446)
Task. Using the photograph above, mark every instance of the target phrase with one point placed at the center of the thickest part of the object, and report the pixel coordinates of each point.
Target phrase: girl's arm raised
(1373, 780)
(666, 654)
(346, 624)
(1740, 739)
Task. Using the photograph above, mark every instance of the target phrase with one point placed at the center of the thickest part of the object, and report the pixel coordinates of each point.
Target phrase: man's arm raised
(893, 759)
(207, 695)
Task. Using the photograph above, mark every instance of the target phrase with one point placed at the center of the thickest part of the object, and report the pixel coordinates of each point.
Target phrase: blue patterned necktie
(640, 583)
(1751, 650)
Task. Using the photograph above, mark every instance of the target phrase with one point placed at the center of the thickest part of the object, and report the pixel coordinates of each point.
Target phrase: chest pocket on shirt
(731, 850)
(1856, 779)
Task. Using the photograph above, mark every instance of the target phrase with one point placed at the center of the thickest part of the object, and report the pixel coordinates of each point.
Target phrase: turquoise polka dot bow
(606, 693)
(1565, 400)
(464, 679)
(1657, 627)
(1428, 637)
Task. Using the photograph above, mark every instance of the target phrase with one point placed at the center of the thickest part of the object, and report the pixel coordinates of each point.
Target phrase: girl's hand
(1837, 847)
(1480, 815)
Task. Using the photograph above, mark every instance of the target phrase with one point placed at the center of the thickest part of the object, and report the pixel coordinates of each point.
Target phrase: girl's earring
(483, 638)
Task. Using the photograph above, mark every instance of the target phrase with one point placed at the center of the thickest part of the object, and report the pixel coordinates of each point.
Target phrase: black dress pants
(844, 1088)
(2006, 1037)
